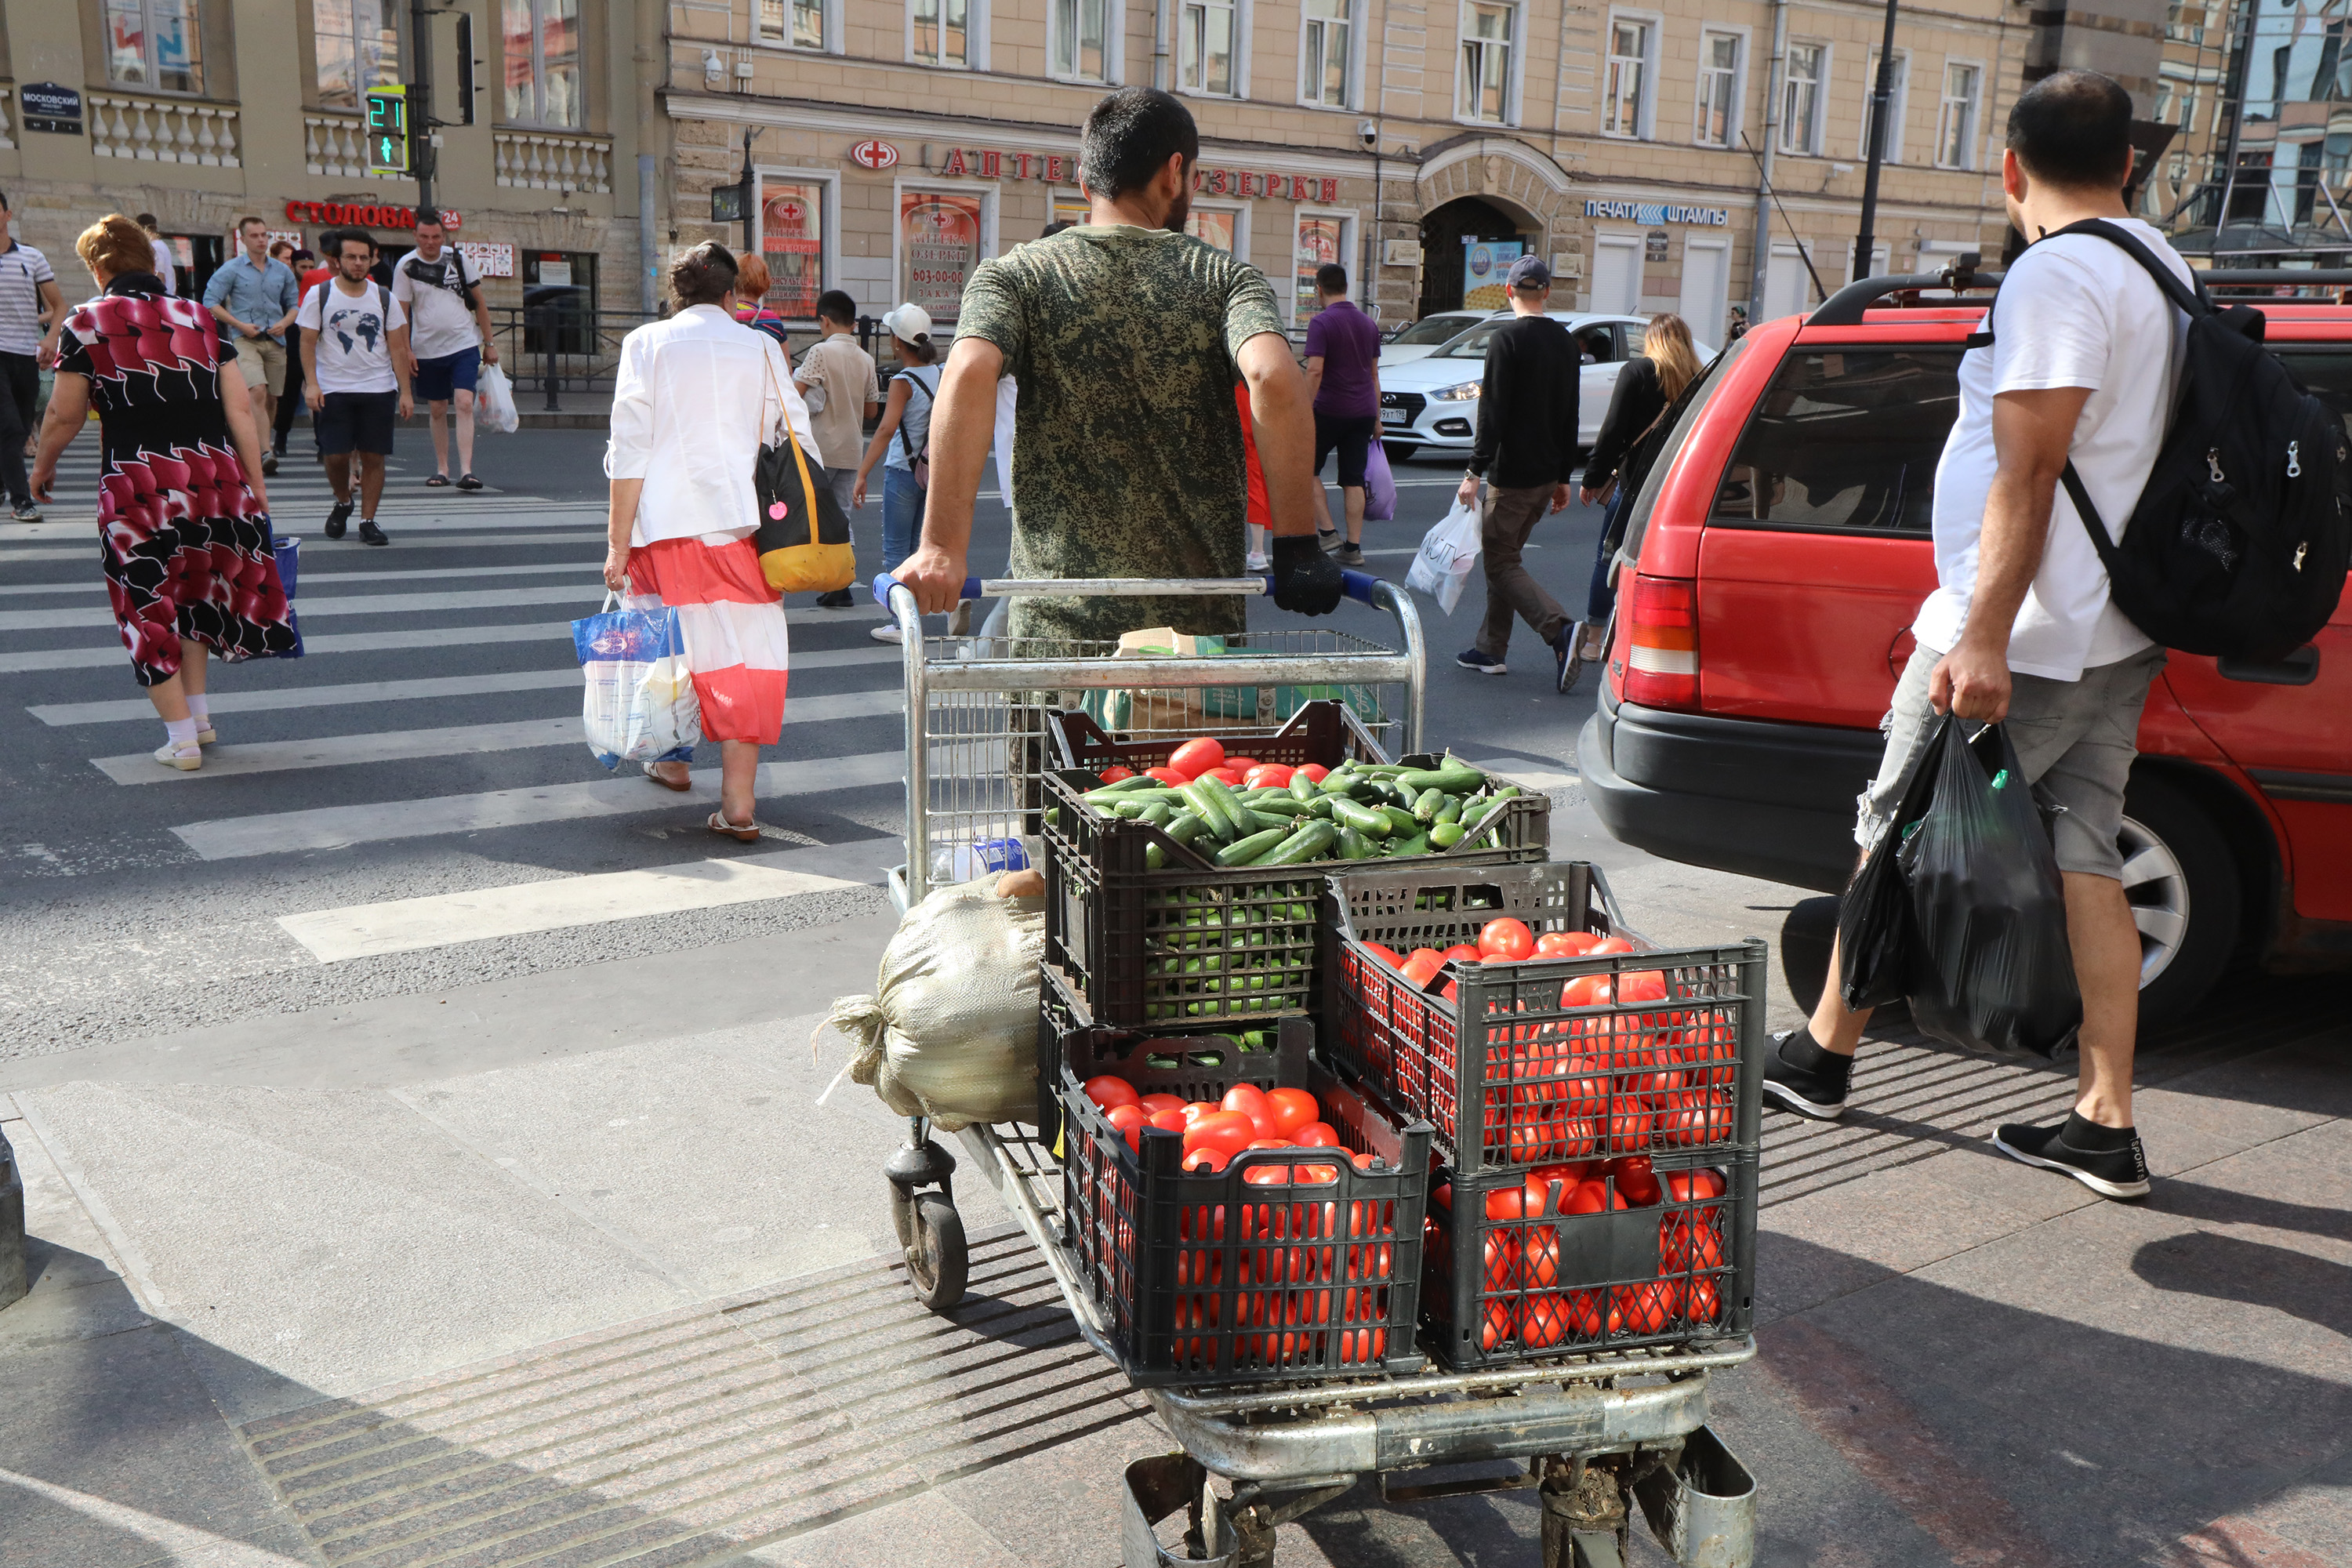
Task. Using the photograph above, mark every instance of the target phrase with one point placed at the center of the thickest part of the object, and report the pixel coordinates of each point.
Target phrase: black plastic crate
(1194, 941)
(1323, 732)
(1520, 1064)
(1237, 1276)
(1509, 1281)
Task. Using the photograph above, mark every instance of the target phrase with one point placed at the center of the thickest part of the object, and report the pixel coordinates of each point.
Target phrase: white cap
(910, 323)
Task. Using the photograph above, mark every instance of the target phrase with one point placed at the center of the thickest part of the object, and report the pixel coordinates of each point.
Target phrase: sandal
(747, 834)
(469, 482)
(666, 783)
(437, 482)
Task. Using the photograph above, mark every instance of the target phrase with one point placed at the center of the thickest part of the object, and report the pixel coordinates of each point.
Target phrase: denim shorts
(2075, 737)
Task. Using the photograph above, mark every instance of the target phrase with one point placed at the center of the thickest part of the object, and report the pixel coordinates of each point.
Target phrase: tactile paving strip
(689, 1437)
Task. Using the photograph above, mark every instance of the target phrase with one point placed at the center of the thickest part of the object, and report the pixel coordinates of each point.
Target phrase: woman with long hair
(902, 442)
(1646, 388)
(182, 508)
(695, 398)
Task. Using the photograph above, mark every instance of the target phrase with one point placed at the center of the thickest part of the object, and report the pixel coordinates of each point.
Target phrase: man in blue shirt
(254, 296)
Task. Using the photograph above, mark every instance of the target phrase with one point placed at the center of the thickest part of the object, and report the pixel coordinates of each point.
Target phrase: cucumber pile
(1359, 811)
(1212, 951)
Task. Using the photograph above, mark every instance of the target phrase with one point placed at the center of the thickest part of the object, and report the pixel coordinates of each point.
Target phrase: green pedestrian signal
(387, 124)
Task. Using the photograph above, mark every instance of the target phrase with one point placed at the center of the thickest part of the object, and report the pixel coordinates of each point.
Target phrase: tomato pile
(1215, 1131)
(1523, 1296)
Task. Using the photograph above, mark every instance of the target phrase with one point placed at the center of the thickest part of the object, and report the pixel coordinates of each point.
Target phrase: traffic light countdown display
(387, 130)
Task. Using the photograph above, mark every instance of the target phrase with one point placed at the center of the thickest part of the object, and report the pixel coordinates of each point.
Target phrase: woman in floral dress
(183, 510)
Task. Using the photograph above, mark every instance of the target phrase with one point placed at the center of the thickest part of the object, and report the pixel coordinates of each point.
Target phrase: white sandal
(748, 833)
(187, 758)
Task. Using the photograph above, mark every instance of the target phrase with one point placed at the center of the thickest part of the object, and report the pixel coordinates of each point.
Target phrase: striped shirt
(23, 270)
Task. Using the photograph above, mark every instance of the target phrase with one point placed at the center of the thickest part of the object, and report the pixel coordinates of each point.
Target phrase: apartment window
(942, 33)
(1323, 53)
(1718, 89)
(1629, 78)
(357, 49)
(1956, 121)
(1488, 34)
(800, 23)
(1081, 33)
(542, 64)
(1206, 47)
(1898, 95)
(155, 43)
(1801, 99)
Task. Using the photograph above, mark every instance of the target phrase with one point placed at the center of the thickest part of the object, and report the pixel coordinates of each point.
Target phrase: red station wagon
(1783, 548)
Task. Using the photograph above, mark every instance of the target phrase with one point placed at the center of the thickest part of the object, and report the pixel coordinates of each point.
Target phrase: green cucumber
(1354, 846)
(1133, 780)
(1303, 787)
(1445, 835)
(1364, 819)
(1453, 777)
(1211, 810)
(1245, 851)
(1156, 813)
(1183, 828)
(1400, 820)
(1311, 842)
(1269, 818)
(1416, 845)
(1452, 810)
(1425, 809)
(1227, 802)
(1155, 858)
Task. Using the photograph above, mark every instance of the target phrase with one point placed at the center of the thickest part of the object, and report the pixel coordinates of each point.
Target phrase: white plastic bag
(638, 702)
(494, 404)
(952, 1032)
(1448, 553)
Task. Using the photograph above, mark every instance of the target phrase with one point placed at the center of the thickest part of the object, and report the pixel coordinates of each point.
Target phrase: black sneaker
(1566, 652)
(370, 533)
(1483, 663)
(1348, 555)
(1819, 1093)
(269, 464)
(25, 511)
(839, 599)
(337, 516)
(2110, 1172)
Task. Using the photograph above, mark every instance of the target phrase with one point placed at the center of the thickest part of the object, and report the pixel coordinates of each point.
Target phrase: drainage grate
(691, 1437)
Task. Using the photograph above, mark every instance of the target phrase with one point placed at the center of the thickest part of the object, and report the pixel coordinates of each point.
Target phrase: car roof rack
(1845, 308)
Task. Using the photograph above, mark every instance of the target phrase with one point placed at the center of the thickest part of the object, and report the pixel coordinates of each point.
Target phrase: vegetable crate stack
(1238, 1213)
(1184, 878)
(1596, 1100)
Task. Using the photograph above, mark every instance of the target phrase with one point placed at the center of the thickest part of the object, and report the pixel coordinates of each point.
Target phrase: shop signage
(486, 259)
(364, 215)
(874, 155)
(1654, 244)
(1060, 168)
(50, 107)
(1652, 214)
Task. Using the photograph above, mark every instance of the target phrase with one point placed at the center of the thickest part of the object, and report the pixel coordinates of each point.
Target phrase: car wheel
(2185, 893)
(1400, 450)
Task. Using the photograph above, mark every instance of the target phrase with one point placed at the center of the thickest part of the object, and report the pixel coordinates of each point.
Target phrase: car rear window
(1845, 440)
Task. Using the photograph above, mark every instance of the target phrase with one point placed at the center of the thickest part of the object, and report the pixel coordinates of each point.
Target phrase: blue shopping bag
(639, 702)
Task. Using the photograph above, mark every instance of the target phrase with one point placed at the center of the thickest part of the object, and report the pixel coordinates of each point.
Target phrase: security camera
(1369, 134)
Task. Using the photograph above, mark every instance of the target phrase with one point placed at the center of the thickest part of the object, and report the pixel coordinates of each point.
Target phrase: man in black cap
(1526, 449)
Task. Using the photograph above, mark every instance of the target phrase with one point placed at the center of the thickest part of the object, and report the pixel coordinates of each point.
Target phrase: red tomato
(1316, 772)
(1592, 1196)
(1643, 1309)
(1225, 777)
(1250, 1100)
(1387, 956)
(1196, 1109)
(1506, 1203)
(1312, 1175)
(1167, 775)
(1496, 1327)
(1500, 1259)
(1451, 990)
(1227, 1130)
(1129, 1120)
(1292, 1109)
(1688, 1186)
(1632, 1124)
(1168, 1121)
(1154, 1104)
(1688, 1242)
(1106, 1091)
(1242, 766)
(1317, 1135)
(1113, 774)
(1442, 1195)
(1508, 940)
(1205, 1157)
(1462, 952)
(1613, 944)
(1705, 1303)
(1565, 944)
(1543, 1321)
(1194, 758)
(1271, 774)
(1636, 1182)
(1362, 1162)
(1642, 986)
(1422, 964)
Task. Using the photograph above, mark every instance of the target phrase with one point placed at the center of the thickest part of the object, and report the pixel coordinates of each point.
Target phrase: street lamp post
(1881, 94)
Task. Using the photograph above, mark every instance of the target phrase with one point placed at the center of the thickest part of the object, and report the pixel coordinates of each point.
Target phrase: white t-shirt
(2072, 311)
(354, 339)
(441, 321)
(165, 267)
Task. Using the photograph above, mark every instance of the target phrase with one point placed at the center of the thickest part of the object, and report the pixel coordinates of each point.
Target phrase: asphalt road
(429, 747)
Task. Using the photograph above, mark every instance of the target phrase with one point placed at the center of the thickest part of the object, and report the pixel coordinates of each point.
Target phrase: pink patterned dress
(188, 548)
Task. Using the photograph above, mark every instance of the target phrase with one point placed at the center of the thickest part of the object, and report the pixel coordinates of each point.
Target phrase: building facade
(201, 112)
(1422, 142)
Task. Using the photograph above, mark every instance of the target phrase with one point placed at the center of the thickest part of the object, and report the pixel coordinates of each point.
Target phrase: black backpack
(2240, 540)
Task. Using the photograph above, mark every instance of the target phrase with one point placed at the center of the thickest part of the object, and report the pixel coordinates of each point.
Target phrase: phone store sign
(1061, 169)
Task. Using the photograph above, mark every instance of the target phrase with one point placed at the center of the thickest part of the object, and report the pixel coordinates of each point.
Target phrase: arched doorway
(1443, 232)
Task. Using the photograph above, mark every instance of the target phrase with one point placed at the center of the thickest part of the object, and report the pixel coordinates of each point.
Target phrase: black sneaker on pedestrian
(370, 533)
(1348, 555)
(25, 511)
(1329, 538)
(269, 463)
(1814, 1085)
(337, 516)
(839, 599)
(2108, 1160)
(1483, 663)
(1565, 652)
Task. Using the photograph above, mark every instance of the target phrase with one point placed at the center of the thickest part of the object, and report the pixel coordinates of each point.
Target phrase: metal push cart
(1600, 1436)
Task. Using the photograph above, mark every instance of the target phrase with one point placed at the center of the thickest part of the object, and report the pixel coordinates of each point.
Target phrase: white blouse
(694, 398)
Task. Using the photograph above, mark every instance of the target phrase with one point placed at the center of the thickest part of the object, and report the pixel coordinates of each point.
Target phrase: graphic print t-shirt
(354, 337)
(433, 294)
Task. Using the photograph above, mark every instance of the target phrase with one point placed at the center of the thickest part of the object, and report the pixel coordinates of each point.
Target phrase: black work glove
(1306, 581)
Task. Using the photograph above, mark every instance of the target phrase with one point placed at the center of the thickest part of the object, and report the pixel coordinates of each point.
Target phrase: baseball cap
(911, 323)
(1528, 272)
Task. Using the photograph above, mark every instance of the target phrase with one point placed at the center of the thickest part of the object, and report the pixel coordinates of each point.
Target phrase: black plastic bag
(1991, 968)
(1873, 931)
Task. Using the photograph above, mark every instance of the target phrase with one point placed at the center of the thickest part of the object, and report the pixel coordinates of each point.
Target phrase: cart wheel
(938, 1262)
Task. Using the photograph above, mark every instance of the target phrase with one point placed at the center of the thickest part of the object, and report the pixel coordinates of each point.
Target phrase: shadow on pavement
(2255, 1273)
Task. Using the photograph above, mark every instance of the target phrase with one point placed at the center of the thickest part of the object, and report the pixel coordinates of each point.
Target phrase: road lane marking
(342, 826)
(315, 579)
(111, 656)
(341, 605)
(89, 551)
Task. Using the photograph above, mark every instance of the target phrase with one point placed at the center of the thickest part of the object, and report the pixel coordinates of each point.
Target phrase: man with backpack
(355, 371)
(448, 342)
(2085, 355)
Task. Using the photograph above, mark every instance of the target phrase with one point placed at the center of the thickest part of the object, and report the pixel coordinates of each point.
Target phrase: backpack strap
(2195, 301)
(911, 379)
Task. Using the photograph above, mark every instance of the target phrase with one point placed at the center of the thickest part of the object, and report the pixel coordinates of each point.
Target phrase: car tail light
(1662, 646)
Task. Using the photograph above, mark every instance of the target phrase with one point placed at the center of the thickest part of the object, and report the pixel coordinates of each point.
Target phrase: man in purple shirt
(1343, 369)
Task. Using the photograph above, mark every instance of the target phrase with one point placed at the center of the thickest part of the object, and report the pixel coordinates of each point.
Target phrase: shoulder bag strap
(906, 446)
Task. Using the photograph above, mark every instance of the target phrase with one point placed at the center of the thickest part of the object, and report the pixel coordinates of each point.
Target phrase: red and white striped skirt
(733, 625)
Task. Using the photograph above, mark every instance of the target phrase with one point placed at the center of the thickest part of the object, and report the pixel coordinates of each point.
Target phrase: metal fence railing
(558, 344)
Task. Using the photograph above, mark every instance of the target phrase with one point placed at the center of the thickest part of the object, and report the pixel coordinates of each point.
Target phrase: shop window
(155, 43)
(1070, 207)
(1489, 35)
(1322, 238)
(792, 241)
(798, 23)
(1206, 47)
(542, 63)
(558, 301)
(1801, 99)
(942, 33)
(1625, 109)
(939, 244)
(1718, 89)
(1081, 36)
(1220, 226)
(1898, 98)
(1330, 30)
(1955, 121)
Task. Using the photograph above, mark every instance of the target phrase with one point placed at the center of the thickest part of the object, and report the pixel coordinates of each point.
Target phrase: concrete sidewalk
(581, 1276)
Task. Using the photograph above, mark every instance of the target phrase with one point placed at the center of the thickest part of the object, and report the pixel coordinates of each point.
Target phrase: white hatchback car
(1431, 404)
(1426, 336)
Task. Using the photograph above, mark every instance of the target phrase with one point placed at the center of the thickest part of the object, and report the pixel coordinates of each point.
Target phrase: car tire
(2186, 894)
(1399, 452)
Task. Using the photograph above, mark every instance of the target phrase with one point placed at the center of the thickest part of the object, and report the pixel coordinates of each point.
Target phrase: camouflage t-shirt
(1127, 449)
